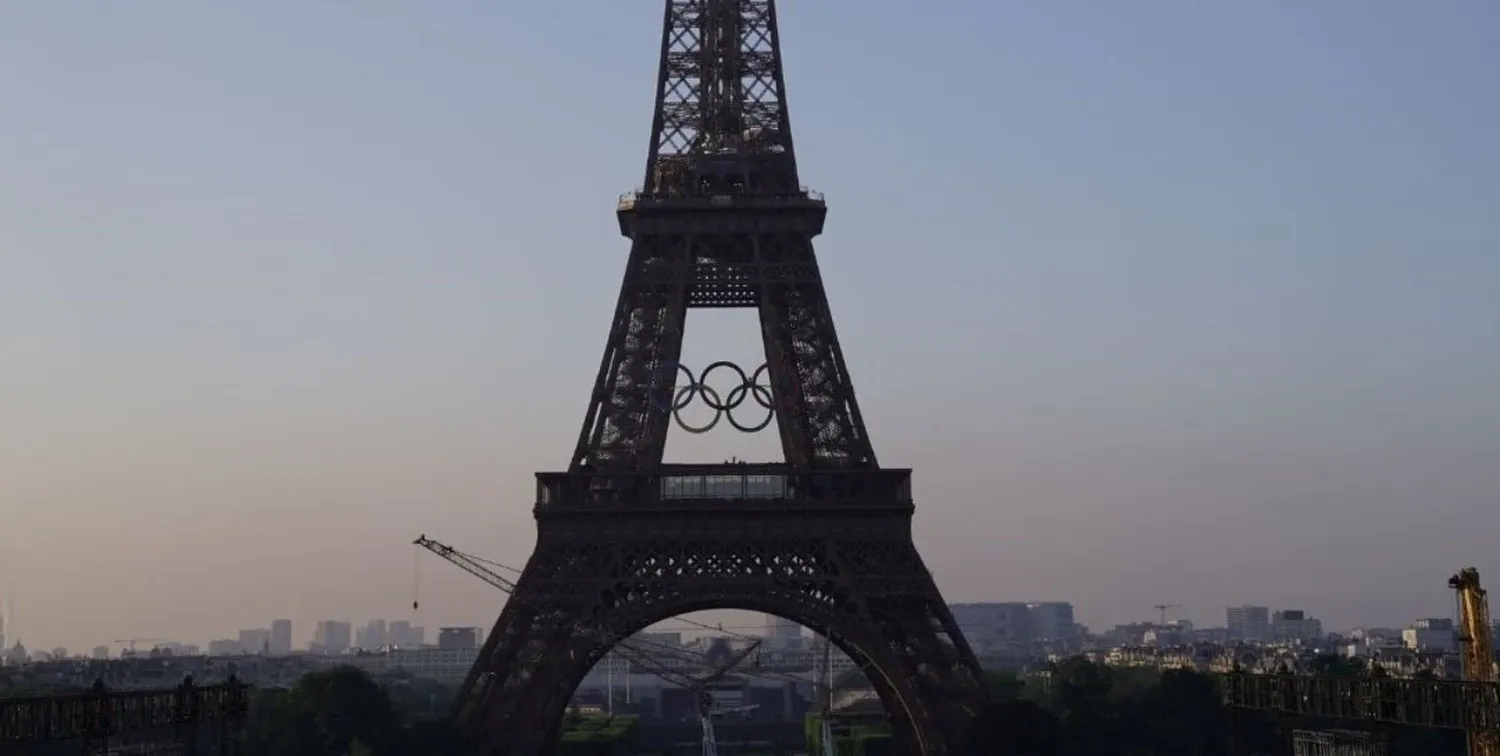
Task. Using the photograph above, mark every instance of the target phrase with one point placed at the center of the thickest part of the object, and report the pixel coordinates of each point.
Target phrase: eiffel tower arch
(625, 540)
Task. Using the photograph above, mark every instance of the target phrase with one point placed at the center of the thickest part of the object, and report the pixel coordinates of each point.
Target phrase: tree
(1003, 684)
(1081, 696)
(1015, 728)
(1183, 714)
(332, 712)
(1334, 665)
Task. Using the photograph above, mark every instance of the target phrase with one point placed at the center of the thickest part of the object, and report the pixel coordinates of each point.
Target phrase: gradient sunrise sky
(1166, 302)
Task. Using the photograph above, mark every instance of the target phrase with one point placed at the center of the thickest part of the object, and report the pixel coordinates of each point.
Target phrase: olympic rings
(723, 405)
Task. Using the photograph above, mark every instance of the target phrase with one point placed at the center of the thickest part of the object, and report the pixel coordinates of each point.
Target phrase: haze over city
(1197, 307)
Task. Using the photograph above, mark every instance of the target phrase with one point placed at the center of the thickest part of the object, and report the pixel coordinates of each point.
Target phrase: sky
(1168, 302)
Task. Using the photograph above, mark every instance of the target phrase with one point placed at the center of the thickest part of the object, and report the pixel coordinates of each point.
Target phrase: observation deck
(803, 211)
(730, 488)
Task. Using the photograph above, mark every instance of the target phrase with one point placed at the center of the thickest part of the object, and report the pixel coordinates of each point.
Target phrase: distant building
(1432, 634)
(444, 665)
(281, 637)
(782, 631)
(224, 647)
(1249, 623)
(997, 624)
(403, 634)
(255, 641)
(1211, 635)
(1294, 626)
(398, 634)
(993, 623)
(331, 637)
(1053, 621)
(1378, 636)
(372, 636)
(458, 638)
(101, 652)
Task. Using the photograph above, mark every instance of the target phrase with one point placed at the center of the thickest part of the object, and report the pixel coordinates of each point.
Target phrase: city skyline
(301, 638)
(1205, 312)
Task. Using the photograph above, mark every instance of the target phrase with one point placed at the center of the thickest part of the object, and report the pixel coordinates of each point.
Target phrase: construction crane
(130, 642)
(1476, 647)
(1162, 609)
(826, 723)
(634, 652)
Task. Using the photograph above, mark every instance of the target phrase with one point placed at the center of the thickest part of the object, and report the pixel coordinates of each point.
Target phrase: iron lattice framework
(206, 718)
(1336, 743)
(1443, 704)
(625, 541)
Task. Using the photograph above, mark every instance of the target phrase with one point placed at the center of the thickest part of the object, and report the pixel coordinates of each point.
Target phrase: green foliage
(1003, 684)
(596, 736)
(333, 712)
(1335, 665)
(1078, 708)
(598, 729)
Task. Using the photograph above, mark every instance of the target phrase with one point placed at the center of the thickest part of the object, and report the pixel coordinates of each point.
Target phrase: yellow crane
(1476, 647)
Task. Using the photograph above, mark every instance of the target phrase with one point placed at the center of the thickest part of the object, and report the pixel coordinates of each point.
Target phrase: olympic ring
(672, 398)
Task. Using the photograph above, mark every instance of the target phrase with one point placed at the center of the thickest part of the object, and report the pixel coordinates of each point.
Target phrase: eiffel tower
(625, 541)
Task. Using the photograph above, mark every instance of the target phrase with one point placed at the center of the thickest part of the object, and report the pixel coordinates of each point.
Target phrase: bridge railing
(102, 713)
(1445, 704)
(631, 200)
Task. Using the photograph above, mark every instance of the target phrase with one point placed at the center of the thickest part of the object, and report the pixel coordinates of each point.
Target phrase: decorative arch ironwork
(527, 712)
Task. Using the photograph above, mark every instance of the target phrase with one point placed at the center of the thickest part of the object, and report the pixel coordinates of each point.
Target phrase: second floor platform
(742, 487)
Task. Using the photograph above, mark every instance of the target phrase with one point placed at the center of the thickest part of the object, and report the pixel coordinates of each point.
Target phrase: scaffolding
(1336, 743)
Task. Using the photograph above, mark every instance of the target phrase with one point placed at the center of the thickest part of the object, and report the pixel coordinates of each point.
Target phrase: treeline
(341, 711)
(1078, 708)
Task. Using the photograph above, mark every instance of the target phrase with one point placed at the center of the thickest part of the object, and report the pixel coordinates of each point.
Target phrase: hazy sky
(1166, 302)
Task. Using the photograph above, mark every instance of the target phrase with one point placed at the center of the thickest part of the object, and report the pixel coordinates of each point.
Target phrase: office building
(1294, 626)
(331, 637)
(281, 637)
(457, 638)
(256, 641)
(990, 624)
(372, 636)
(1433, 634)
(1053, 620)
(1249, 623)
(782, 631)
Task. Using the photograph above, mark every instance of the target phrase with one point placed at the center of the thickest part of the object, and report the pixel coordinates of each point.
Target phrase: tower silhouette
(624, 540)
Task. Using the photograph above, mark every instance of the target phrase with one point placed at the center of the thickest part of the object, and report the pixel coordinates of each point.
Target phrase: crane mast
(1162, 610)
(1476, 646)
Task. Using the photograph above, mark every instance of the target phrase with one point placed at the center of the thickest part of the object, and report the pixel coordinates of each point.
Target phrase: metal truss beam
(1444, 704)
(102, 715)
